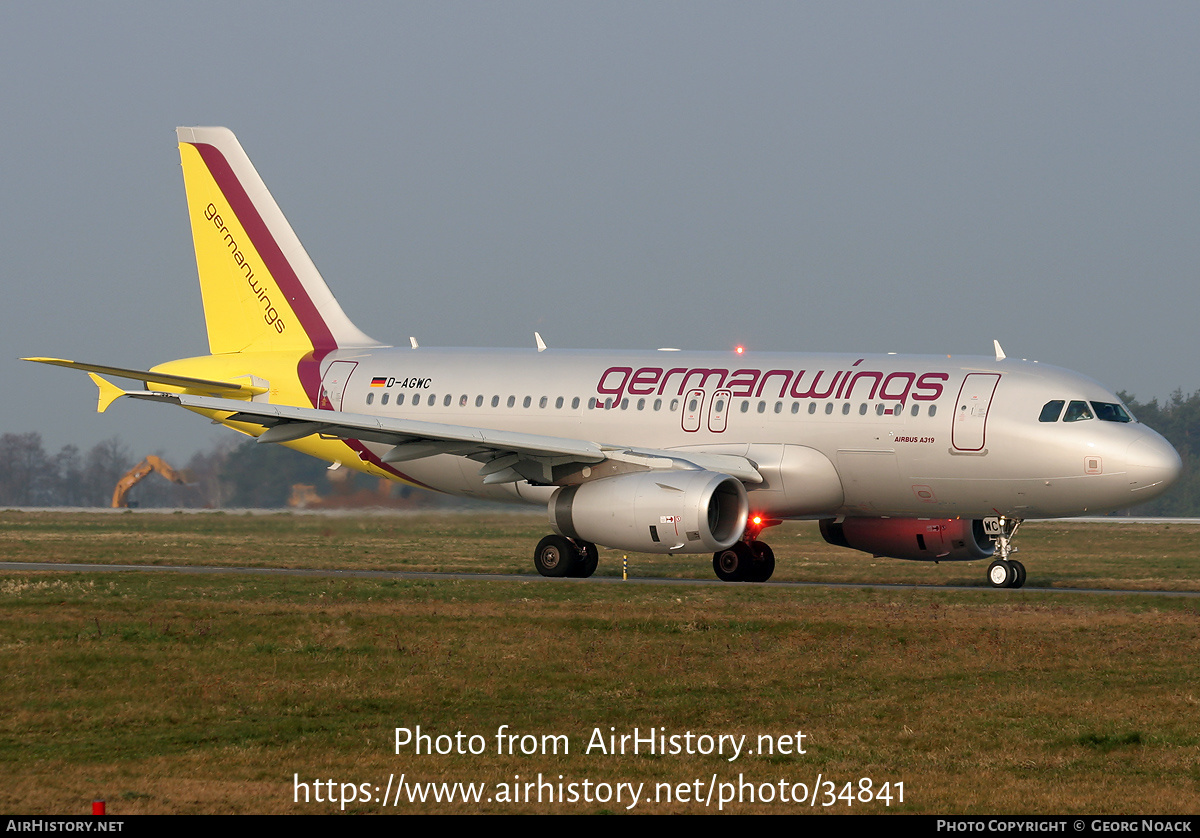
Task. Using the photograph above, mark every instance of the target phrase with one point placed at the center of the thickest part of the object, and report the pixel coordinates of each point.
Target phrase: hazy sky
(910, 177)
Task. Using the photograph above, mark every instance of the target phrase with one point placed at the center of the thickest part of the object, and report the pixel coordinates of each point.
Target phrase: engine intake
(689, 511)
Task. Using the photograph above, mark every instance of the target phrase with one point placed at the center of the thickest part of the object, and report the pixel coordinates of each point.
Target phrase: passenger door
(969, 432)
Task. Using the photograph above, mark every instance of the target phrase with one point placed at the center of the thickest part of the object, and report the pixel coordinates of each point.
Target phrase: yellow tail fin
(261, 290)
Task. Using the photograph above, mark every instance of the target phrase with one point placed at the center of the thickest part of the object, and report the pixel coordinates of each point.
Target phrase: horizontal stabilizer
(199, 385)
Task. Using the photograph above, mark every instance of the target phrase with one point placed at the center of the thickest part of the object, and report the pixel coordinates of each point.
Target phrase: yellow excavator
(140, 471)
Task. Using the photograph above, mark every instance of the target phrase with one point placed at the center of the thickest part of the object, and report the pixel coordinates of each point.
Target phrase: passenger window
(779, 407)
(432, 399)
(479, 401)
(495, 401)
(846, 409)
(543, 401)
(558, 403)
(1051, 411)
(575, 403)
(1077, 412)
(370, 397)
(828, 408)
(512, 400)
(674, 405)
(446, 401)
(462, 400)
(383, 399)
(1110, 412)
(762, 407)
(932, 409)
(528, 401)
(658, 404)
(720, 406)
(745, 406)
(862, 409)
(812, 408)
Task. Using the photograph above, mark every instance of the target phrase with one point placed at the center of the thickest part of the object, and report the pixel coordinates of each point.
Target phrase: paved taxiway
(517, 577)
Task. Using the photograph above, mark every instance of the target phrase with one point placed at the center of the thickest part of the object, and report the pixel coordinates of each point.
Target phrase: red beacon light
(756, 523)
(739, 349)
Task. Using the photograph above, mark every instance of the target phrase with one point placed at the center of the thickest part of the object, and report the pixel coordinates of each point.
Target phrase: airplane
(913, 457)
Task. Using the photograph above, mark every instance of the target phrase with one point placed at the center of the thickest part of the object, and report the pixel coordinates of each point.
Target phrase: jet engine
(919, 539)
(688, 511)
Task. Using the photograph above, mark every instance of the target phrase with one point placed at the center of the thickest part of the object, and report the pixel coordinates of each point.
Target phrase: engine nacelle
(654, 512)
(919, 539)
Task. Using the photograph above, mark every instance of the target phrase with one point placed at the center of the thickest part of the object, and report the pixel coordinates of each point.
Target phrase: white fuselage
(875, 435)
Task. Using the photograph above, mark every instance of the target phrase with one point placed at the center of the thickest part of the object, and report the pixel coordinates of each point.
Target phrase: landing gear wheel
(733, 564)
(1002, 574)
(1019, 581)
(763, 562)
(556, 556)
(589, 558)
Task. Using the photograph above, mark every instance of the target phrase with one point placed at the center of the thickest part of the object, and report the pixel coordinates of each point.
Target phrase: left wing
(506, 456)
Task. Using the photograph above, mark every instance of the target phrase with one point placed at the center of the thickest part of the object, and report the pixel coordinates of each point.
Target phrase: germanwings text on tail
(913, 457)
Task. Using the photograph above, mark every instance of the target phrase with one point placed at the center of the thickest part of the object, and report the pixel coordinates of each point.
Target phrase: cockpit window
(1109, 412)
(1051, 411)
(1077, 412)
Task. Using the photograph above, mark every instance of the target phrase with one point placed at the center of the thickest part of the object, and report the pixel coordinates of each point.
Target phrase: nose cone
(1153, 465)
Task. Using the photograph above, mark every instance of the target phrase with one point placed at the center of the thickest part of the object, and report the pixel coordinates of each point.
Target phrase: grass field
(188, 693)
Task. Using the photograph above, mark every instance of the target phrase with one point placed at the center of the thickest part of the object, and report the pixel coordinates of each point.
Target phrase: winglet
(541, 344)
(109, 392)
(1000, 356)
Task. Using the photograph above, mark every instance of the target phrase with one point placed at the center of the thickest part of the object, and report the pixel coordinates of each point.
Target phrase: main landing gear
(1005, 572)
(557, 555)
(749, 560)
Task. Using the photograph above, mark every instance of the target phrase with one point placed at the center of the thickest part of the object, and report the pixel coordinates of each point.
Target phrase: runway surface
(517, 577)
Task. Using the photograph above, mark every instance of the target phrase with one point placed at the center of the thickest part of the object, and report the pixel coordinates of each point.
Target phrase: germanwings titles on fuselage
(748, 382)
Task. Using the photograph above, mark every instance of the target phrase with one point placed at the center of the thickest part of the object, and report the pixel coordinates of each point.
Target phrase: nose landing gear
(1005, 572)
